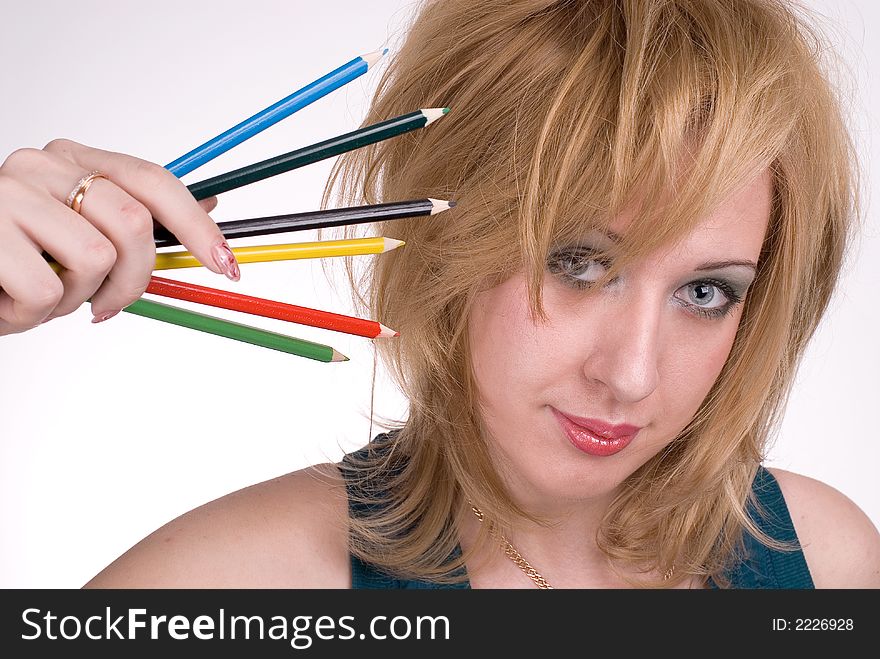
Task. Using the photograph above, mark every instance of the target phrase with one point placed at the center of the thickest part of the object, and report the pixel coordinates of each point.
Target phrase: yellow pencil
(264, 253)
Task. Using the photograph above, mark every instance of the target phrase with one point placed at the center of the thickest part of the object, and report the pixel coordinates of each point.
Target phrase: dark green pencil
(226, 328)
(320, 151)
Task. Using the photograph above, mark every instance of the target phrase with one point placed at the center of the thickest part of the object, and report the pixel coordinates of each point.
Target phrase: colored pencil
(322, 219)
(216, 297)
(235, 331)
(273, 114)
(316, 152)
(288, 252)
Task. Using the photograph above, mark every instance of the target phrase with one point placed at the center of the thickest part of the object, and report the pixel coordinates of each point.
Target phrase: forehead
(736, 226)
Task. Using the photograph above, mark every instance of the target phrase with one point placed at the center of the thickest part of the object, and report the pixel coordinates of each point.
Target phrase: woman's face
(643, 351)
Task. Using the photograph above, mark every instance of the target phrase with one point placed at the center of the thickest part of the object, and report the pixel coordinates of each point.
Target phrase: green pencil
(254, 335)
(320, 151)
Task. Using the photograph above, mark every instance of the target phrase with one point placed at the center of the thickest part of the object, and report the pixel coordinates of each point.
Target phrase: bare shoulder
(841, 544)
(288, 532)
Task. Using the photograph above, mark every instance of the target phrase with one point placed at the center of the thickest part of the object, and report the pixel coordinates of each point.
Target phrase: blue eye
(578, 268)
(704, 295)
(709, 297)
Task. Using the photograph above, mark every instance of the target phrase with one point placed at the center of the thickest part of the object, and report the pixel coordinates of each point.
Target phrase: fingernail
(225, 260)
(107, 315)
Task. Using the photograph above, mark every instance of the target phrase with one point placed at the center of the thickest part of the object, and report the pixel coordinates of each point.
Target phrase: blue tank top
(761, 566)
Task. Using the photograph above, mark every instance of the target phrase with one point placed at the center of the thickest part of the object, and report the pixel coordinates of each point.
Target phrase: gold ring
(75, 198)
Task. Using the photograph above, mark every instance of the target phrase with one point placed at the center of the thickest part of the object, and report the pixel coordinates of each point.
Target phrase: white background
(111, 430)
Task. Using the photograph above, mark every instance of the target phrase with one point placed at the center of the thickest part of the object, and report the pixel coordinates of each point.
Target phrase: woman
(654, 201)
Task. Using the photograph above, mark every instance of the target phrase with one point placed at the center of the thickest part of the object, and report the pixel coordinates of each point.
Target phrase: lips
(603, 429)
(594, 436)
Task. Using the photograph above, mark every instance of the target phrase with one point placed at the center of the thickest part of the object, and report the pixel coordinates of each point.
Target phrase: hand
(107, 250)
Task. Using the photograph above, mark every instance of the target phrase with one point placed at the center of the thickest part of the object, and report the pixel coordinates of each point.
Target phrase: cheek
(692, 367)
(505, 345)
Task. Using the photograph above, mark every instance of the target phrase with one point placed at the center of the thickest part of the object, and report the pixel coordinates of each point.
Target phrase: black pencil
(334, 217)
(320, 151)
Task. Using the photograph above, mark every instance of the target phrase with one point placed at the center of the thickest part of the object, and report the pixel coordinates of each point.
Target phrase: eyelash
(584, 258)
(733, 299)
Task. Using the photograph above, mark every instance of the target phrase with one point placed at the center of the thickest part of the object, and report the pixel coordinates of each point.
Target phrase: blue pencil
(274, 113)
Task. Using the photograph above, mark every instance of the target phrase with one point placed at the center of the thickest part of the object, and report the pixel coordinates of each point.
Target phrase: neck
(564, 551)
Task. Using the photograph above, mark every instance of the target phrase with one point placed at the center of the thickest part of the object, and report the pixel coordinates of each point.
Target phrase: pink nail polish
(225, 260)
(107, 315)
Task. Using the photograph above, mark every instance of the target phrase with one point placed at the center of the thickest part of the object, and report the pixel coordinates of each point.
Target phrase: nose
(624, 355)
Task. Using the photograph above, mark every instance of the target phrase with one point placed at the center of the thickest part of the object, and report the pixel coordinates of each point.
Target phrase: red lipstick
(595, 436)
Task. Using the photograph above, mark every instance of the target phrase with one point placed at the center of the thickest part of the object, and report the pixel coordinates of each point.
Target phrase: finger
(122, 220)
(30, 290)
(83, 252)
(129, 226)
(208, 204)
(165, 196)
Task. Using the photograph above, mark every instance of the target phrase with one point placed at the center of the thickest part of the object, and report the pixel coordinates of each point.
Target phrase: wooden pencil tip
(433, 114)
(375, 56)
(338, 357)
(392, 243)
(440, 205)
(386, 332)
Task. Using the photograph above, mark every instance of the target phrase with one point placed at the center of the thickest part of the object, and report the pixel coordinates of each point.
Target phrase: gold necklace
(511, 552)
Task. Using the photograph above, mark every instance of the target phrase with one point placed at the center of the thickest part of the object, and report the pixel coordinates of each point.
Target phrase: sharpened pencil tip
(392, 243)
(433, 114)
(386, 332)
(452, 204)
(375, 56)
(339, 357)
(439, 205)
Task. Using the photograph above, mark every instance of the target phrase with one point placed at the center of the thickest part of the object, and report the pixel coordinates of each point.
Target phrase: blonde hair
(563, 112)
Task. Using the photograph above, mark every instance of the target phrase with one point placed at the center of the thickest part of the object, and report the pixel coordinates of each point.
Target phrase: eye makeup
(571, 263)
(580, 267)
(732, 298)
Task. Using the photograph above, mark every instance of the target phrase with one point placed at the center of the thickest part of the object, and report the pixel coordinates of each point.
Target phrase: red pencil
(268, 308)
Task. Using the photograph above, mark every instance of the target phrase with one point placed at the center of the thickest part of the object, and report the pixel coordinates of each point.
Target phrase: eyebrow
(717, 265)
(709, 265)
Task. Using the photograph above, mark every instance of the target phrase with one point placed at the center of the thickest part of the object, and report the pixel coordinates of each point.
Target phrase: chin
(563, 477)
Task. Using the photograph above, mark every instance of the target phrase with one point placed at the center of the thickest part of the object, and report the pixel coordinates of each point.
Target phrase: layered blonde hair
(563, 113)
